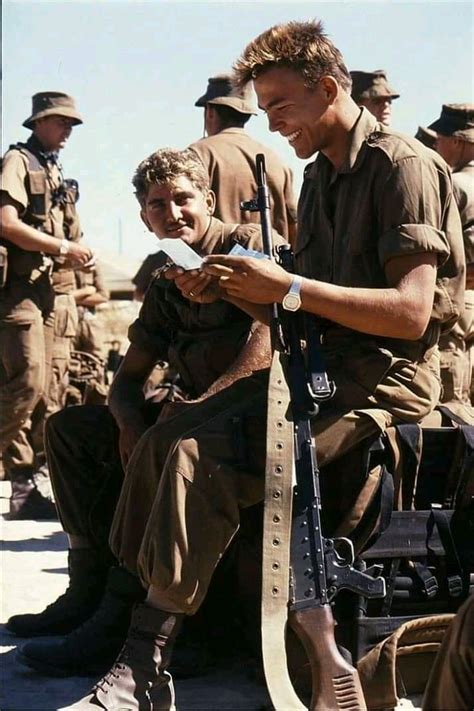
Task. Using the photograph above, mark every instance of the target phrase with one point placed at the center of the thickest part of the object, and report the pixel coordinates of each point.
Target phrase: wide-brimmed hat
(52, 103)
(426, 136)
(456, 120)
(370, 85)
(221, 91)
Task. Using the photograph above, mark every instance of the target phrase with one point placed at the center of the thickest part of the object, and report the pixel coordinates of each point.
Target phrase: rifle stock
(335, 682)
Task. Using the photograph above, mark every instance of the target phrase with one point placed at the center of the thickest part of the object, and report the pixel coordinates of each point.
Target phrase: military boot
(87, 578)
(92, 647)
(138, 680)
(27, 501)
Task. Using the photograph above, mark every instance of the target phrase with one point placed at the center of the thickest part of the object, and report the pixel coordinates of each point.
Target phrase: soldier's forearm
(254, 356)
(126, 400)
(28, 238)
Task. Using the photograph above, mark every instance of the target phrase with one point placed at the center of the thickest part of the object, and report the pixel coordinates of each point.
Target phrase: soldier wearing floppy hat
(229, 153)
(455, 143)
(371, 89)
(52, 103)
(426, 136)
(455, 134)
(39, 222)
(220, 92)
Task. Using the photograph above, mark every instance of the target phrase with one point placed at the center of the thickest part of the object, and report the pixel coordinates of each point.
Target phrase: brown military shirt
(229, 157)
(145, 273)
(14, 183)
(463, 183)
(200, 341)
(94, 277)
(391, 197)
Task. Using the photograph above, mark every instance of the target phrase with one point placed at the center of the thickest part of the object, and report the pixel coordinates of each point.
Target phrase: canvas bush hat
(426, 136)
(52, 103)
(456, 120)
(221, 92)
(370, 85)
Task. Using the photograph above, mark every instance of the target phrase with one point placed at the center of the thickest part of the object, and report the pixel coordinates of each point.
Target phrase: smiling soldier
(205, 341)
(379, 245)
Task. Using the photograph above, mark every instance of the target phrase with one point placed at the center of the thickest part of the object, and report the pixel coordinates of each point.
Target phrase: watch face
(291, 302)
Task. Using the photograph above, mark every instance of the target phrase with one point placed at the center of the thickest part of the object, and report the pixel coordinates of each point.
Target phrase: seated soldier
(379, 246)
(89, 447)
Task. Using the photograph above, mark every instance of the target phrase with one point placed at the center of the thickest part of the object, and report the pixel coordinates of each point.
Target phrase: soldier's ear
(210, 202)
(145, 219)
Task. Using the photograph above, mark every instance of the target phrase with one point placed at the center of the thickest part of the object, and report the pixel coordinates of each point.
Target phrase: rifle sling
(276, 540)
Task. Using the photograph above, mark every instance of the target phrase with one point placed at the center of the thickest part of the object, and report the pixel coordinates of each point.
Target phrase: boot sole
(51, 670)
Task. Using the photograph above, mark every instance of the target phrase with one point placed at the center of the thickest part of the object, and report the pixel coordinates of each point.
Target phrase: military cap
(221, 91)
(52, 103)
(371, 85)
(426, 136)
(456, 120)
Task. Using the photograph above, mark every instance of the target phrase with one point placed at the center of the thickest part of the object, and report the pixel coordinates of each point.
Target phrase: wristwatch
(63, 250)
(292, 300)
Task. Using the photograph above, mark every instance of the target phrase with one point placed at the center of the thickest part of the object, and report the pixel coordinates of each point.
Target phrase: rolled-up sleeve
(13, 179)
(411, 211)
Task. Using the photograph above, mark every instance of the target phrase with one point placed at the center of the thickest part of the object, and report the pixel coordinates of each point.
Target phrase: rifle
(319, 566)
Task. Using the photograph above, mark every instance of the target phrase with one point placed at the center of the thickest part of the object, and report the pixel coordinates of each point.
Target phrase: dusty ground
(33, 564)
(34, 573)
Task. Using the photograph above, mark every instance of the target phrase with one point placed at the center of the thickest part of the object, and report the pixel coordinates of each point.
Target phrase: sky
(136, 68)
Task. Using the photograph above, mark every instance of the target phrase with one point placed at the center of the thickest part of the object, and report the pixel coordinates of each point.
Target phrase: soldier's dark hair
(229, 116)
(301, 46)
(165, 166)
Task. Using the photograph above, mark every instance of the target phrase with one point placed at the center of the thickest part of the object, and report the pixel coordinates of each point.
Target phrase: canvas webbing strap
(276, 540)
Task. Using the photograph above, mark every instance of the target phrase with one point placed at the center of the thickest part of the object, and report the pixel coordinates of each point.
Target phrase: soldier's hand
(79, 255)
(195, 285)
(258, 281)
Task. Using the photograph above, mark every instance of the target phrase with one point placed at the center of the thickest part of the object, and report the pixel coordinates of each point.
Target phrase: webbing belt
(276, 540)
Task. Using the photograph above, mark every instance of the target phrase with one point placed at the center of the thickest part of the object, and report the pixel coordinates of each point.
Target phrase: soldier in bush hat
(371, 89)
(229, 153)
(52, 103)
(426, 136)
(455, 143)
(39, 229)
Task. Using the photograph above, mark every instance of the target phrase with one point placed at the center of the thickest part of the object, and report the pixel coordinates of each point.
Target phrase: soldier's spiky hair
(302, 46)
(165, 166)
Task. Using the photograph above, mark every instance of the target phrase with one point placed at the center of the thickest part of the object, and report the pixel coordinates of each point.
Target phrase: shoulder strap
(34, 162)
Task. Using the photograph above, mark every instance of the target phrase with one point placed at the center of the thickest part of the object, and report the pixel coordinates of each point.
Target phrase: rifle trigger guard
(345, 545)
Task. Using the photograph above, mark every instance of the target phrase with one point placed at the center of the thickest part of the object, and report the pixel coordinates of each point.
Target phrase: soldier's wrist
(64, 248)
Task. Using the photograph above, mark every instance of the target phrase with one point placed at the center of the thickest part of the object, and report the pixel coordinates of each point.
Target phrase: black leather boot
(92, 647)
(87, 578)
(138, 680)
(27, 501)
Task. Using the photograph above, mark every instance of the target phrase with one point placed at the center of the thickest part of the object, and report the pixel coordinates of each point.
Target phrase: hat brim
(67, 113)
(202, 101)
(448, 128)
(243, 107)
(373, 94)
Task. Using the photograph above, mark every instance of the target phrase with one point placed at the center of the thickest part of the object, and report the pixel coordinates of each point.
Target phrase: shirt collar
(363, 127)
(36, 147)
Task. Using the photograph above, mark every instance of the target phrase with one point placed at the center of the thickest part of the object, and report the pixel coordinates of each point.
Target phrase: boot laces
(115, 671)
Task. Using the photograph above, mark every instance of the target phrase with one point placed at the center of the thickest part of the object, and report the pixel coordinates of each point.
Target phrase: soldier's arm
(126, 398)
(32, 240)
(254, 356)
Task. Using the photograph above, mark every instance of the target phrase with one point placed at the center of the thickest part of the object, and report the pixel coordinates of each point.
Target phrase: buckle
(454, 585)
(430, 586)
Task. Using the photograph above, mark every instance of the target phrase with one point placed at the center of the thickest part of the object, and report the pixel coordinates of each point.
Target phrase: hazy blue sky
(136, 68)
